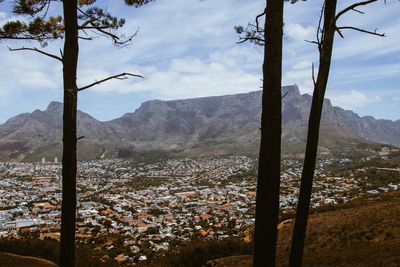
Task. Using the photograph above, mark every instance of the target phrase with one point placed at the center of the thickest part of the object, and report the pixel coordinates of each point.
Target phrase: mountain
(41, 132)
(197, 126)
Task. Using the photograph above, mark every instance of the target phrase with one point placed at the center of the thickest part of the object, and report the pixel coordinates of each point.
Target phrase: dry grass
(365, 232)
(12, 260)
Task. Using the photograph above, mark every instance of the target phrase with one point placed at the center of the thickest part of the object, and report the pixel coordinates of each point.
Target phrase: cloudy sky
(187, 48)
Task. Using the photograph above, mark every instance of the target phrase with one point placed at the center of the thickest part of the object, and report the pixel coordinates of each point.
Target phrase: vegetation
(197, 253)
(49, 249)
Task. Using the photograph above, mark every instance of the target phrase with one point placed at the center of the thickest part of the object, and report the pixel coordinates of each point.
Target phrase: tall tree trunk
(69, 164)
(268, 181)
(307, 175)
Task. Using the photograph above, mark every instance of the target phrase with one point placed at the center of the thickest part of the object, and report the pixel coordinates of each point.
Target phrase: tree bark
(326, 46)
(69, 160)
(268, 180)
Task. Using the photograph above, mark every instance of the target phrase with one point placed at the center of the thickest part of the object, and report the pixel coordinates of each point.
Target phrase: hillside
(198, 126)
(365, 232)
(12, 260)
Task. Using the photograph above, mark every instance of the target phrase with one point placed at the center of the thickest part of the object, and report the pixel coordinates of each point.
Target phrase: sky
(188, 48)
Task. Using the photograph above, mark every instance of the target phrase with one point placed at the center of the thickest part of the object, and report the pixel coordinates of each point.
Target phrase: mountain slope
(364, 232)
(198, 126)
(42, 131)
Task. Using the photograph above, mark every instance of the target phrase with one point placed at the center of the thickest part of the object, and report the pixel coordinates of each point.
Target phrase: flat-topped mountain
(200, 126)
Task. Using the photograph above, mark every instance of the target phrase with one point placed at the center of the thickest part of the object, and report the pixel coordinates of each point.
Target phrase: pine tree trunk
(69, 161)
(268, 181)
(307, 175)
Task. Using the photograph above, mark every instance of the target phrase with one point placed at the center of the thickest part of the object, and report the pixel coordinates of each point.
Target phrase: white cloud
(300, 74)
(187, 49)
(189, 77)
(353, 100)
(299, 32)
(26, 70)
(247, 57)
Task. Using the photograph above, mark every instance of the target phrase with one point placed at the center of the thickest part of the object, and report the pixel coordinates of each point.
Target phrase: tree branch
(121, 76)
(254, 39)
(320, 32)
(352, 7)
(85, 38)
(339, 32)
(257, 18)
(115, 38)
(36, 50)
(312, 42)
(313, 74)
(360, 30)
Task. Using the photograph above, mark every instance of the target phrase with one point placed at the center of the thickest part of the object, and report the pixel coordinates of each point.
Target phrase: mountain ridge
(209, 125)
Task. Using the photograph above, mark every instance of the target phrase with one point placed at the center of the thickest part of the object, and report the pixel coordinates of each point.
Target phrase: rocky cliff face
(210, 125)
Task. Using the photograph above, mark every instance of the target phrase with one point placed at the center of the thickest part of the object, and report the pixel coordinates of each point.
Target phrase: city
(132, 209)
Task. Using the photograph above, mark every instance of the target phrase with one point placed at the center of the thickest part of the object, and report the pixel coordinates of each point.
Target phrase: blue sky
(187, 48)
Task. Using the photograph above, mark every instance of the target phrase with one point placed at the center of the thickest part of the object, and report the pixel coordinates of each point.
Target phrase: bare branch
(360, 30)
(320, 32)
(353, 6)
(257, 18)
(36, 50)
(85, 38)
(121, 76)
(339, 32)
(313, 74)
(358, 11)
(115, 38)
(254, 39)
(312, 42)
(80, 137)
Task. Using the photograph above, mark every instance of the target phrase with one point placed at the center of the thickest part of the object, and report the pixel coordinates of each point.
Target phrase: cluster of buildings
(130, 209)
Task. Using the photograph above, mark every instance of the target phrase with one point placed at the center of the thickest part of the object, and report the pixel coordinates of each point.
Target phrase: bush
(196, 253)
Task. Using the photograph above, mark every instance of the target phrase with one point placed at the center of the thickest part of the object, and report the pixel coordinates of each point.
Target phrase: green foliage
(38, 29)
(43, 28)
(137, 3)
(29, 7)
(140, 183)
(98, 18)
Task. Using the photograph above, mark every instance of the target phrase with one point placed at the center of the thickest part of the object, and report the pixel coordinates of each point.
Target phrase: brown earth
(364, 232)
(12, 260)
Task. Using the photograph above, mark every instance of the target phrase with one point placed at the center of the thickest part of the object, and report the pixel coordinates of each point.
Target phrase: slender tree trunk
(268, 181)
(307, 175)
(70, 62)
